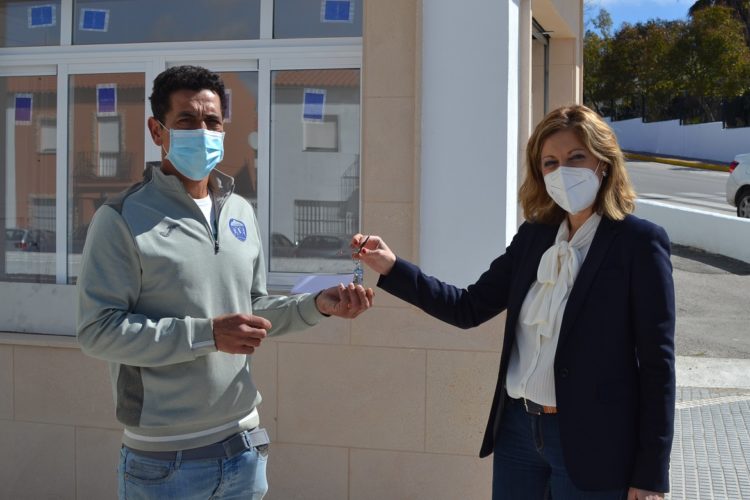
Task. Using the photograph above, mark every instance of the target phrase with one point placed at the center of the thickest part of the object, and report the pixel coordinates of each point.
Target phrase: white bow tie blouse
(531, 369)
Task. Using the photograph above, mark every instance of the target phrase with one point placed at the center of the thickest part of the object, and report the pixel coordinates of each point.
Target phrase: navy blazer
(614, 364)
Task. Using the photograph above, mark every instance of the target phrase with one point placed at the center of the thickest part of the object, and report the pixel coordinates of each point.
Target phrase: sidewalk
(711, 450)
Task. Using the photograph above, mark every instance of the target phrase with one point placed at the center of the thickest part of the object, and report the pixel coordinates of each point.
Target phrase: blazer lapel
(543, 238)
(603, 238)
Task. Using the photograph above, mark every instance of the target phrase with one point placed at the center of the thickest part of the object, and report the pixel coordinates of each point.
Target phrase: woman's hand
(638, 494)
(374, 253)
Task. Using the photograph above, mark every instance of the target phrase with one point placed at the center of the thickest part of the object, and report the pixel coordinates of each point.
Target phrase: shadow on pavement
(698, 261)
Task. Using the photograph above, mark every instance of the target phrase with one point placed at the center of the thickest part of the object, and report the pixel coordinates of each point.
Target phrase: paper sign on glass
(314, 105)
(337, 11)
(106, 99)
(94, 20)
(317, 282)
(42, 16)
(23, 108)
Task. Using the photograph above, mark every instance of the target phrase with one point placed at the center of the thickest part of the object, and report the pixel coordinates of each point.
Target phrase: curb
(677, 162)
(695, 371)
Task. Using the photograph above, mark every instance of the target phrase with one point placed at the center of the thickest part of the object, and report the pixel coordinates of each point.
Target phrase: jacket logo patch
(238, 229)
(169, 229)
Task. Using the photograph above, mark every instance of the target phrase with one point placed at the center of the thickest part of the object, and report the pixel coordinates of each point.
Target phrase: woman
(584, 403)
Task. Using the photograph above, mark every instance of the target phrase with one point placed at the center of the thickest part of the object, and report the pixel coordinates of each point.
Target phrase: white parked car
(738, 184)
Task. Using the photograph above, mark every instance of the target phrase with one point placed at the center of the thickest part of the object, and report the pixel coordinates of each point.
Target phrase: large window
(113, 21)
(26, 23)
(315, 168)
(317, 18)
(27, 166)
(105, 148)
(75, 77)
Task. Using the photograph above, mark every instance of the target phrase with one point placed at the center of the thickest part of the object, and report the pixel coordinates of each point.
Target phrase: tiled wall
(392, 405)
(58, 435)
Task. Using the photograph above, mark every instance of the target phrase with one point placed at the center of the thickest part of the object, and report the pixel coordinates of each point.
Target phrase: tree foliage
(740, 10)
(662, 63)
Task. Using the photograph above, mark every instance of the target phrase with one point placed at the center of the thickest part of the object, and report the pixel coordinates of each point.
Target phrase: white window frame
(22, 302)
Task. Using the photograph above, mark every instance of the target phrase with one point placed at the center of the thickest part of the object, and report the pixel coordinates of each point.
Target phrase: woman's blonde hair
(616, 196)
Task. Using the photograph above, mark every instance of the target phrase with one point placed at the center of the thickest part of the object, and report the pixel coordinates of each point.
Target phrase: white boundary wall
(706, 141)
(712, 232)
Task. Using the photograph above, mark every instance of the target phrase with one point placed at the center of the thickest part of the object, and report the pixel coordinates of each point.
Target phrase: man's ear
(155, 128)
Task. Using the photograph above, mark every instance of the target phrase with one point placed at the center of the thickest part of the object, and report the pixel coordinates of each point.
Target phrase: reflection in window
(241, 133)
(315, 120)
(112, 21)
(27, 23)
(27, 199)
(105, 145)
(317, 18)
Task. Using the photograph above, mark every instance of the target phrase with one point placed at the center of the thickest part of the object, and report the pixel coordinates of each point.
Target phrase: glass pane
(317, 18)
(105, 144)
(112, 21)
(28, 157)
(28, 23)
(241, 133)
(314, 169)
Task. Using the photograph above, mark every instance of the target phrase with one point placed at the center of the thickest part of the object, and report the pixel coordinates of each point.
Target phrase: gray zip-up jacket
(153, 276)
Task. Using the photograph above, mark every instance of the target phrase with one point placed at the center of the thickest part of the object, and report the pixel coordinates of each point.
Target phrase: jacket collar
(220, 184)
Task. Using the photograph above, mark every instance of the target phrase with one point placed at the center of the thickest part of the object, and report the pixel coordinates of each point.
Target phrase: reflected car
(325, 246)
(738, 185)
(29, 240)
(281, 246)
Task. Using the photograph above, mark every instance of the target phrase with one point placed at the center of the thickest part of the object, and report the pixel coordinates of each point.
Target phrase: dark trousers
(528, 461)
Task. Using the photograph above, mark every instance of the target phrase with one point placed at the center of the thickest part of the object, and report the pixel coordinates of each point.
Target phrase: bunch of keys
(359, 272)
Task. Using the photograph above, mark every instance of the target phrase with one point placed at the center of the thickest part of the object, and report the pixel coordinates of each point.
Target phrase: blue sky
(633, 11)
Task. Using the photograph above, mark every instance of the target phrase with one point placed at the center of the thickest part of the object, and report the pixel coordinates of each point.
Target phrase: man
(172, 292)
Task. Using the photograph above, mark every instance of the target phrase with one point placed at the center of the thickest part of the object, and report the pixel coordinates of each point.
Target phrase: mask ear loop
(170, 136)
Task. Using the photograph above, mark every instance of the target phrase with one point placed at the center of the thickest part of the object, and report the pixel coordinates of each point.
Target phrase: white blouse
(531, 368)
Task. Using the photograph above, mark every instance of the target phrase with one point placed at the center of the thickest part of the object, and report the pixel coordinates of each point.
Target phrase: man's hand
(638, 494)
(344, 301)
(239, 333)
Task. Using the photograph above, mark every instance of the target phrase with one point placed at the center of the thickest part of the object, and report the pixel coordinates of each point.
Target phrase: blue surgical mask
(194, 153)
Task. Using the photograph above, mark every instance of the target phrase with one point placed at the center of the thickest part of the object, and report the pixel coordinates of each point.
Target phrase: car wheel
(743, 204)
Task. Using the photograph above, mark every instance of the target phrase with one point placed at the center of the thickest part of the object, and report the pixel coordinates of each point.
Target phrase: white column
(469, 142)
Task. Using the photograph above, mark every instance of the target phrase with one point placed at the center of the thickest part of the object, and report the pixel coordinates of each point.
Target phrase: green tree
(740, 9)
(716, 61)
(596, 44)
(639, 64)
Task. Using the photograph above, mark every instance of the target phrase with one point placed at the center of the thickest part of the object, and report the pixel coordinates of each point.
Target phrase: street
(713, 319)
(711, 290)
(682, 186)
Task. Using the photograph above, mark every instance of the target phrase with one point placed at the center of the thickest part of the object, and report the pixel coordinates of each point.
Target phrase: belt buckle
(535, 409)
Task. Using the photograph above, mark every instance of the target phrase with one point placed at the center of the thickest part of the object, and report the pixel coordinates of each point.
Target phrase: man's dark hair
(184, 78)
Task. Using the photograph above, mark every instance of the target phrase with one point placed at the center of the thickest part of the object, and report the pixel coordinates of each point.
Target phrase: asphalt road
(713, 311)
(682, 186)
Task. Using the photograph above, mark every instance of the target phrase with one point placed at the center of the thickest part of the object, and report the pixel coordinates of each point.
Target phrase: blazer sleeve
(461, 307)
(653, 315)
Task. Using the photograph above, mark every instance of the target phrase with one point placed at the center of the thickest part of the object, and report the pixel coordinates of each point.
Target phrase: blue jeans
(240, 477)
(528, 461)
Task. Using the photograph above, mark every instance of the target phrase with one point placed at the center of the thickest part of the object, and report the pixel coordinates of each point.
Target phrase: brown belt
(533, 408)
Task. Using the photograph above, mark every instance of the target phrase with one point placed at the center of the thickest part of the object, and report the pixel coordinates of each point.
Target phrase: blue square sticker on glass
(42, 16)
(106, 99)
(337, 11)
(94, 20)
(23, 108)
(314, 105)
